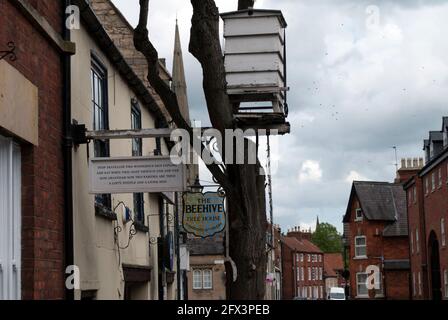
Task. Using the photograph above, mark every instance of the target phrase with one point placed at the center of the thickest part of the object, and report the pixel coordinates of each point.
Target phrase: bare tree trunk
(244, 186)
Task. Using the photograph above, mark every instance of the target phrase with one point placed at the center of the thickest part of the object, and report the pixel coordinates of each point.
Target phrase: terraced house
(427, 201)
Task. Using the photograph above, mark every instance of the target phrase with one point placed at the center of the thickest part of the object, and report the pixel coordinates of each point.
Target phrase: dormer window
(358, 215)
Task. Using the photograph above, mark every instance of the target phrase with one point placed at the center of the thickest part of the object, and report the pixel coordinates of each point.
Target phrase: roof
(208, 246)
(436, 135)
(254, 13)
(333, 262)
(303, 245)
(381, 201)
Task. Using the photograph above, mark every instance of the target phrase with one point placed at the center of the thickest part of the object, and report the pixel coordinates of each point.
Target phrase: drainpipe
(67, 150)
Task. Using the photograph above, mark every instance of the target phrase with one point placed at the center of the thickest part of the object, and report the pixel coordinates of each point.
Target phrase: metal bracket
(11, 52)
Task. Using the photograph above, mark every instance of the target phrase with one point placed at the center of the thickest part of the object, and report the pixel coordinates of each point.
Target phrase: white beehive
(255, 56)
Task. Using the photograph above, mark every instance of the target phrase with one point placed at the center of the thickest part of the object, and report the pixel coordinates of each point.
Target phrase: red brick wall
(416, 221)
(435, 208)
(288, 278)
(42, 166)
(377, 246)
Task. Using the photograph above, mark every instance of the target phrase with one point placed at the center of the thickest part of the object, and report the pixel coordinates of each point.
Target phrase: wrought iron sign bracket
(11, 52)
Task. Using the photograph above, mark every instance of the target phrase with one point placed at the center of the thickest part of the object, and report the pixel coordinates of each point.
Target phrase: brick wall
(42, 166)
(393, 248)
(425, 214)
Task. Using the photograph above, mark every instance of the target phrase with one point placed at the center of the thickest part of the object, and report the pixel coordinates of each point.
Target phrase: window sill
(360, 258)
(141, 227)
(103, 212)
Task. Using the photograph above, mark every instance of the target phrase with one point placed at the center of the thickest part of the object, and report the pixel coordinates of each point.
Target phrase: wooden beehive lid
(255, 13)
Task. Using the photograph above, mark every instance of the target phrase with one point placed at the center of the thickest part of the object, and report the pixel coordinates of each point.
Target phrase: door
(436, 279)
(10, 220)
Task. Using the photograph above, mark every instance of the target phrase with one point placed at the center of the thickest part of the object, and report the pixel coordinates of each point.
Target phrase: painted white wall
(96, 253)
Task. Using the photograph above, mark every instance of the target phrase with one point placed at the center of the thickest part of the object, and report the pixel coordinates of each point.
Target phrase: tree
(327, 238)
(243, 184)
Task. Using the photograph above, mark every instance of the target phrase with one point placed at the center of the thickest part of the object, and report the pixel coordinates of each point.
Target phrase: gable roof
(333, 262)
(381, 201)
(303, 245)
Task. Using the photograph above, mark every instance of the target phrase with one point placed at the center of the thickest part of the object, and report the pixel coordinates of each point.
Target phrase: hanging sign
(203, 214)
(136, 175)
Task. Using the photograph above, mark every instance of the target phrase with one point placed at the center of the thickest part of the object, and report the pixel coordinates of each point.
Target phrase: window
(426, 186)
(11, 218)
(100, 120)
(414, 291)
(440, 178)
(301, 257)
(309, 273)
(320, 258)
(360, 247)
(417, 241)
(309, 258)
(207, 277)
(415, 194)
(136, 123)
(320, 273)
(445, 281)
(197, 279)
(139, 208)
(412, 242)
(433, 181)
(419, 283)
(313, 273)
(361, 284)
(202, 279)
(302, 273)
(359, 215)
(409, 198)
(442, 232)
(298, 273)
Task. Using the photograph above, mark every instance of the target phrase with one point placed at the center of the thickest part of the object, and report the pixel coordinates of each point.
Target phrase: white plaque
(136, 175)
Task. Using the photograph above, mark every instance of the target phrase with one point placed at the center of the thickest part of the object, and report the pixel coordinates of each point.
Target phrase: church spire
(317, 222)
(179, 84)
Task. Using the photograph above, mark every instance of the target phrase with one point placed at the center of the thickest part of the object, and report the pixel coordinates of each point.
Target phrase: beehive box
(254, 51)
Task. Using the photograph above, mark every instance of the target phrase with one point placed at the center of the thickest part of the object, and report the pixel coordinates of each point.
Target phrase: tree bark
(244, 186)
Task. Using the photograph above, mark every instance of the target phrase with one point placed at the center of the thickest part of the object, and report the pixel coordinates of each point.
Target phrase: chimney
(409, 168)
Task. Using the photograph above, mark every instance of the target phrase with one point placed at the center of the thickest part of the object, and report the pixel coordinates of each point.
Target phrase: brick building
(207, 277)
(333, 271)
(32, 107)
(302, 267)
(376, 233)
(427, 200)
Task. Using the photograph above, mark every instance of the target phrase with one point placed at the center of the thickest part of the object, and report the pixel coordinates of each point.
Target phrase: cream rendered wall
(96, 253)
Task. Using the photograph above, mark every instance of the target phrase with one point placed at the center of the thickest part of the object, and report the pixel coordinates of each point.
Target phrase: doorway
(434, 260)
(10, 220)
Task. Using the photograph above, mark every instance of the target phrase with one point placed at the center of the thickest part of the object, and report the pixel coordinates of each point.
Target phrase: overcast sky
(364, 75)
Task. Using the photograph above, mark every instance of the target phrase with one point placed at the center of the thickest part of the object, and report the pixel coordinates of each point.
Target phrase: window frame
(197, 272)
(358, 284)
(357, 246)
(443, 232)
(358, 217)
(204, 272)
(101, 148)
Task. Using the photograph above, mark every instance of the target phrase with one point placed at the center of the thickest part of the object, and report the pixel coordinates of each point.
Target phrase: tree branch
(169, 98)
(205, 46)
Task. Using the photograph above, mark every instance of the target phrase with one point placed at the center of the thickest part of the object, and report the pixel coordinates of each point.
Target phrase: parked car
(336, 294)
